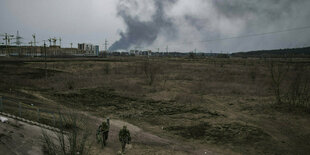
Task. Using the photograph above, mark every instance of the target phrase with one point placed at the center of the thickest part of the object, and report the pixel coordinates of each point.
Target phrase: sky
(180, 25)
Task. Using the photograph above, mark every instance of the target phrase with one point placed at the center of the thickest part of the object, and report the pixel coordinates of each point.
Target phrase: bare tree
(278, 72)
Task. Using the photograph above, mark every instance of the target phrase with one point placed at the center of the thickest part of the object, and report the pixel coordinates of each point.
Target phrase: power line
(249, 35)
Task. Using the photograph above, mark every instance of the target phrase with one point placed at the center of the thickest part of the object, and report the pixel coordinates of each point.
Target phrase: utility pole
(59, 41)
(30, 43)
(34, 39)
(45, 60)
(7, 38)
(71, 48)
(50, 40)
(105, 52)
(18, 38)
(106, 45)
(18, 42)
(9, 41)
(54, 41)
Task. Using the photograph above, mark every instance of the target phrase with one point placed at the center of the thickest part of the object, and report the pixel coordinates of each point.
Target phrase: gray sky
(152, 24)
(89, 21)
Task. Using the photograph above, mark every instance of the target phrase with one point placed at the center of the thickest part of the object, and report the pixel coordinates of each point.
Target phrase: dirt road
(21, 138)
(142, 142)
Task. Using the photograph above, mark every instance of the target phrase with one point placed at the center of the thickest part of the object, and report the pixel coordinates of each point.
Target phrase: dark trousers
(123, 147)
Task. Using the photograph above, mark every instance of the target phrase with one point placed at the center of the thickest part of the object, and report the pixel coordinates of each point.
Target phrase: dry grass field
(223, 105)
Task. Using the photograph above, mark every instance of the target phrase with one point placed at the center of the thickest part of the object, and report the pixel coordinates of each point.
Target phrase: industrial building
(140, 52)
(89, 48)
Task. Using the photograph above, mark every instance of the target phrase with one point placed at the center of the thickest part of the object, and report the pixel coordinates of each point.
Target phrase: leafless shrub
(71, 139)
(299, 88)
(278, 72)
(290, 85)
(151, 70)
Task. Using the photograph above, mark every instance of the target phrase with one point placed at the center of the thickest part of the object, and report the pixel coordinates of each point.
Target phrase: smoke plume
(143, 32)
(185, 25)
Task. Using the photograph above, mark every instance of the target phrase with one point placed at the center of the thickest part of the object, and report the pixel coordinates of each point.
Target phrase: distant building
(146, 53)
(96, 49)
(140, 53)
(89, 48)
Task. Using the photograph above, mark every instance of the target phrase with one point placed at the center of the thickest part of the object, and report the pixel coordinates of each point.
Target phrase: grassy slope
(224, 104)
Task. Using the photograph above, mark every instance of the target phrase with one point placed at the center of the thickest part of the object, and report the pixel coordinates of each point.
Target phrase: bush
(71, 138)
(291, 86)
(151, 70)
(299, 87)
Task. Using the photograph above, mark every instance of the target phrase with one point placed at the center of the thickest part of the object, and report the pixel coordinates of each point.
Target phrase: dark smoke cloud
(184, 24)
(257, 13)
(140, 32)
(270, 8)
(242, 17)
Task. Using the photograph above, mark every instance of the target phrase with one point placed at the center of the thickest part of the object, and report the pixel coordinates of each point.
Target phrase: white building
(89, 48)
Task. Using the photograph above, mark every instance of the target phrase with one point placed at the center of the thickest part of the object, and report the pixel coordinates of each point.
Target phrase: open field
(224, 106)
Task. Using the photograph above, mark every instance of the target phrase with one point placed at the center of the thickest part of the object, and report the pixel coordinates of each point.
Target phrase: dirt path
(19, 138)
(142, 142)
(138, 135)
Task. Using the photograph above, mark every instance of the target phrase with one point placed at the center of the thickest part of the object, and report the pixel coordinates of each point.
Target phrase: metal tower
(18, 39)
(7, 38)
